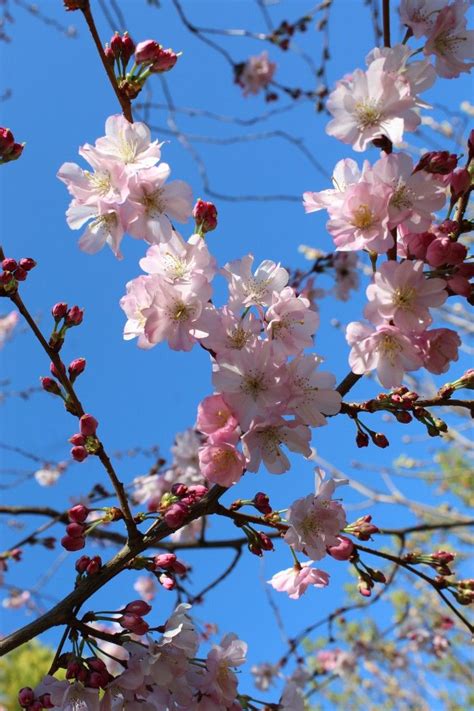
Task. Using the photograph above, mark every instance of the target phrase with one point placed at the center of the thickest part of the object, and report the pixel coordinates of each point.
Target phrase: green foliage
(25, 666)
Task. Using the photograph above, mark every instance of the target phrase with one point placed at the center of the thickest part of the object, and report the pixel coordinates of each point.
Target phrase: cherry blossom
(403, 294)
(49, 474)
(228, 331)
(439, 348)
(220, 681)
(291, 323)
(108, 182)
(178, 261)
(420, 75)
(107, 226)
(247, 289)
(420, 15)
(450, 41)
(311, 394)
(294, 581)
(221, 463)
(139, 297)
(263, 440)
(256, 74)
(216, 420)
(128, 143)
(346, 173)
(385, 349)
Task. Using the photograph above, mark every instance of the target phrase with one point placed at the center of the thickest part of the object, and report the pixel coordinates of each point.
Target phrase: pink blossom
(450, 41)
(402, 293)
(220, 681)
(7, 325)
(384, 349)
(414, 196)
(139, 297)
(294, 581)
(311, 394)
(256, 74)
(315, 521)
(108, 182)
(107, 225)
(291, 323)
(128, 143)
(49, 474)
(264, 439)
(346, 173)
(361, 221)
(420, 75)
(460, 283)
(221, 463)
(152, 204)
(420, 15)
(69, 696)
(439, 347)
(174, 313)
(369, 104)
(343, 550)
(216, 420)
(178, 261)
(443, 250)
(247, 289)
(250, 381)
(228, 331)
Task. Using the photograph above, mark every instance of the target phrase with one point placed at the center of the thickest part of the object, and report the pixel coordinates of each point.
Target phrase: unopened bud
(79, 453)
(74, 316)
(88, 425)
(380, 440)
(26, 696)
(76, 367)
(59, 311)
(50, 386)
(73, 544)
(362, 439)
(27, 263)
(9, 265)
(205, 215)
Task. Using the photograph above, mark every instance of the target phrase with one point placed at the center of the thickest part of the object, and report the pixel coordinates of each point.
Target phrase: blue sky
(60, 100)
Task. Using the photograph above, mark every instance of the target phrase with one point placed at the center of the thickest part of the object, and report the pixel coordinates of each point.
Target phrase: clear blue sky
(60, 100)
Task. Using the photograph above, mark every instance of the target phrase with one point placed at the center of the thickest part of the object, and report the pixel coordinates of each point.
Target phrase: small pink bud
(82, 563)
(138, 607)
(134, 623)
(94, 680)
(74, 316)
(20, 274)
(6, 141)
(27, 263)
(75, 530)
(197, 491)
(109, 55)
(79, 453)
(94, 566)
(164, 60)
(9, 265)
(176, 514)
(54, 371)
(88, 425)
(96, 664)
(26, 696)
(443, 557)
(59, 311)
(460, 183)
(128, 47)
(78, 513)
(364, 589)
(255, 549)
(343, 550)
(50, 386)
(146, 51)
(76, 367)
(441, 162)
(73, 544)
(167, 582)
(205, 215)
(262, 503)
(179, 489)
(116, 45)
(265, 542)
(77, 439)
(164, 560)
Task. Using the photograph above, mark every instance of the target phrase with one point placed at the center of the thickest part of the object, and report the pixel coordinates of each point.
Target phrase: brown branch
(386, 22)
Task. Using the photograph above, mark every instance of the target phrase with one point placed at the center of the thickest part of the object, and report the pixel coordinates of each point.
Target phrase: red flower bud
(380, 440)
(164, 61)
(77, 440)
(94, 566)
(79, 453)
(50, 386)
(116, 45)
(164, 560)
(9, 265)
(128, 47)
(27, 263)
(343, 550)
(460, 183)
(176, 514)
(265, 542)
(73, 544)
(82, 563)
(74, 316)
(179, 489)
(76, 367)
(146, 51)
(441, 162)
(109, 55)
(362, 439)
(75, 530)
(6, 141)
(134, 623)
(262, 503)
(205, 214)
(26, 696)
(20, 274)
(88, 425)
(59, 311)
(138, 607)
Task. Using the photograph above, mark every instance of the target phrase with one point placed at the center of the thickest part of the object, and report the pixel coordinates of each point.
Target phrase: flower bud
(441, 162)
(167, 582)
(88, 425)
(460, 183)
(262, 502)
(134, 623)
(74, 316)
(179, 489)
(59, 311)
(78, 513)
(96, 664)
(75, 530)
(94, 566)
(164, 560)
(20, 274)
(9, 265)
(73, 544)
(45, 700)
(265, 542)
(176, 514)
(50, 386)
(6, 141)
(205, 214)
(82, 563)
(343, 550)
(116, 45)
(362, 439)
(77, 439)
(26, 696)
(146, 51)
(128, 47)
(138, 607)
(27, 263)
(79, 453)
(380, 440)
(76, 367)
(443, 557)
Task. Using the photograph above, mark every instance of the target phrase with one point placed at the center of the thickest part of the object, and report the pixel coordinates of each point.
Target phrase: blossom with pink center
(220, 680)
(107, 226)
(295, 581)
(264, 439)
(414, 196)
(450, 41)
(108, 182)
(216, 420)
(228, 331)
(250, 381)
(178, 261)
(420, 15)
(439, 348)
(152, 204)
(128, 143)
(311, 395)
(139, 297)
(315, 521)
(291, 323)
(247, 289)
(346, 173)
(361, 221)
(221, 463)
(371, 104)
(402, 293)
(174, 313)
(384, 349)
(7, 326)
(420, 74)
(256, 74)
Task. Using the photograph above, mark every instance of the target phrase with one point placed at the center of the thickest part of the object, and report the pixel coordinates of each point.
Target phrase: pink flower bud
(82, 563)
(59, 311)
(255, 549)
(343, 550)
(262, 503)
(175, 515)
(146, 51)
(167, 582)
(138, 607)
(20, 274)
(444, 251)
(88, 425)
(460, 183)
(94, 566)
(6, 141)
(77, 439)
(26, 696)
(46, 702)
(128, 47)
(73, 669)
(164, 560)
(76, 367)
(94, 680)
(265, 542)
(50, 386)
(74, 316)
(380, 440)
(441, 162)
(443, 557)
(27, 263)
(179, 489)
(78, 513)
(116, 45)
(109, 55)
(75, 530)
(96, 664)
(9, 265)
(364, 589)
(79, 453)
(197, 491)
(164, 61)
(205, 214)
(55, 372)
(15, 152)
(134, 623)
(73, 544)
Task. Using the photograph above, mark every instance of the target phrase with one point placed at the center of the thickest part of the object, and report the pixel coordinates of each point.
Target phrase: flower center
(403, 298)
(256, 290)
(100, 181)
(402, 198)
(254, 384)
(237, 338)
(389, 346)
(180, 311)
(175, 267)
(154, 203)
(363, 217)
(368, 114)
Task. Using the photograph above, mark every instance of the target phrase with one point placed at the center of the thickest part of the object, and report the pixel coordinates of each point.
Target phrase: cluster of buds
(28, 700)
(439, 561)
(13, 554)
(13, 272)
(257, 541)
(75, 368)
(75, 539)
(464, 591)
(91, 672)
(64, 318)
(150, 57)
(344, 550)
(131, 617)
(88, 566)
(363, 438)
(283, 33)
(205, 216)
(170, 567)
(437, 162)
(9, 149)
(176, 504)
(465, 381)
(367, 577)
(362, 529)
(85, 442)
